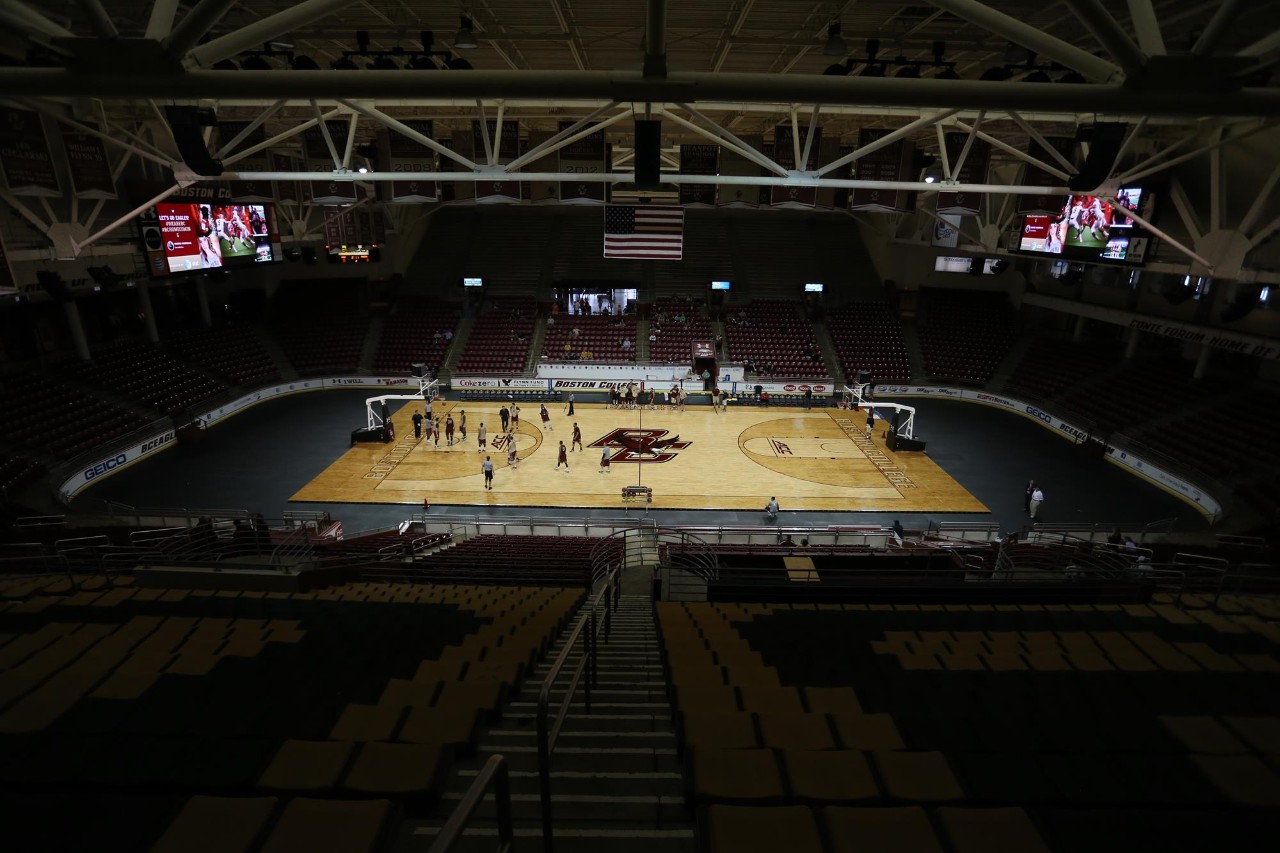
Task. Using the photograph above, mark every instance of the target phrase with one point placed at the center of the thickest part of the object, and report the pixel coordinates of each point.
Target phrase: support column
(1202, 361)
(77, 329)
(1077, 334)
(202, 297)
(148, 315)
(1131, 346)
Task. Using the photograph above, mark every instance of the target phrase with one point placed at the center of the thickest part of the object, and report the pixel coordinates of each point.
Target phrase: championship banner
(972, 171)
(286, 191)
(584, 157)
(332, 226)
(891, 163)
(24, 155)
(784, 153)
(698, 160)
(496, 192)
(88, 164)
(733, 163)
(542, 192)
(8, 284)
(319, 159)
(449, 189)
(260, 192)
(407, 156)
(1034, 176)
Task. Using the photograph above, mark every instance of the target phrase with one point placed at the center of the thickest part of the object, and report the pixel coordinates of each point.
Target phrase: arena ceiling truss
(1186, 79)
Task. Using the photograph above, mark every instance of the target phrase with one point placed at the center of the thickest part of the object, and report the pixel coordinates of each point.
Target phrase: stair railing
(597, 617)
(493, 775)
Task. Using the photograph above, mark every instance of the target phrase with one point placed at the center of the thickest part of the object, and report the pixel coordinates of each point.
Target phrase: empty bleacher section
(40, 412)
(418, 330)
(321, 324)
(234, 353)
(965, 335)
(1135, 393)
(1006, 727)
(674, 336)
(499, 339)
(775, 336)
(1249, 446)
(867, 336)
(579, 251)
(540, 560)
(509, 247)
(188, 719)
(1051, 366)
(775, 255)
(17, 473)
(143, 373)
(708, 257)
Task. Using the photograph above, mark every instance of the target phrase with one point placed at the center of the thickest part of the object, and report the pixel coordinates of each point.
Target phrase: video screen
(812, 288)
(719, 285)
(210, 236)
(473, 282)
(357, 254)
(1087, 227)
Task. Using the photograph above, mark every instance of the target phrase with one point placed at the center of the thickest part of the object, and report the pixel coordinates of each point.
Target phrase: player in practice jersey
(210, 254)
(1099, 220)
(1075, 218)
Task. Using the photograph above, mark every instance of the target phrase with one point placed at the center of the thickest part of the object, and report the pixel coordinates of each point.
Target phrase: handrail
(548, 732)
(492, 775)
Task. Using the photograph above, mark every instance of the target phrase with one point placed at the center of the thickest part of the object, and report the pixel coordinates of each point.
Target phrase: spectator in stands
(551, 321)
(574, 332)
(719, 343)
(555, 308)
(1037, 498)
(1130, 547)
(448, 335)
(437, 337)
(261, 533)
(626, 345)
(1115, 538)
(1026, 503)
(771, 509)
(653, 336)
(898, 530)
(764, 398)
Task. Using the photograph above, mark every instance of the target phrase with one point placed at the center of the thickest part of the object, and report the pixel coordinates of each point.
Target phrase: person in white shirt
(487, 468)
(771, 509)
(1037, 498)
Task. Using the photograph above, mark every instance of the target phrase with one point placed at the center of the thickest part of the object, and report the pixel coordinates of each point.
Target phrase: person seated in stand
(1115, 538)
(898, 530)
(764, 398)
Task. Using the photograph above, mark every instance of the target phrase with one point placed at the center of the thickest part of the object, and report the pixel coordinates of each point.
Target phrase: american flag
(651, 232)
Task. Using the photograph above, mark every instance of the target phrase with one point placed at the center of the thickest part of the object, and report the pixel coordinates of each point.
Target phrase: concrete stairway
(915, 355)
(371, 340)
(1009, 363)
(615, 778)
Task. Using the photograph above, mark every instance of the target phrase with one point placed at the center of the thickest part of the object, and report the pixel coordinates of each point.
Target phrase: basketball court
(696, 459)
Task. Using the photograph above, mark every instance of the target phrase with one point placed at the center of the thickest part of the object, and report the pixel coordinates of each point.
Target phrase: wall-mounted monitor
(196, 236)
(813, 287)
(473, 282)
(357, 254)
(1089, 228)
(720, 285)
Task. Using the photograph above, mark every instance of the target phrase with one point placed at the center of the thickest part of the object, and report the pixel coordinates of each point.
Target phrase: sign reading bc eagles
(409, 157)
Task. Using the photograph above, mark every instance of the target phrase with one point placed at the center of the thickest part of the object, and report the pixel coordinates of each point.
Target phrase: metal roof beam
(253, 36)
(194, 26)
(1098, 21)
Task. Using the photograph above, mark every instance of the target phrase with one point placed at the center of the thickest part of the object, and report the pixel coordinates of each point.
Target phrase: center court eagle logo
(641, 445)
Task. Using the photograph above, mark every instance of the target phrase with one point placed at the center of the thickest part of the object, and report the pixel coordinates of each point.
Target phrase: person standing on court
(569, 408)
(417, 424)
(577, 438)
(706, 380)
(871, 421)
(462, 424)
(546, 420)
(1037, 498)
(808, 397)
(487, 468)
(771, 509)
(513, 457)
(563, 459)
(481, 438)
(435, 432)
(515, 417)
(1026, 501)
(604, 461)
(505, 414)
(448, 429)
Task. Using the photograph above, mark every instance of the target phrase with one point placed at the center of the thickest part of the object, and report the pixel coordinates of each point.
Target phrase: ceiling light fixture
(465, 39)
(835, 45)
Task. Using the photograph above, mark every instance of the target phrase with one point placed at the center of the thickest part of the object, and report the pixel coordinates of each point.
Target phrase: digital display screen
(473, 282)
(719, 285)
(1087, 228)
(357, 254)
(211, 236)
(813, 288)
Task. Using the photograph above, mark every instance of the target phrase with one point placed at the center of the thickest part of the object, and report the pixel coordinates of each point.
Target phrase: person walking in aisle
(487, 468)
(1026, 500)
(1037, 498)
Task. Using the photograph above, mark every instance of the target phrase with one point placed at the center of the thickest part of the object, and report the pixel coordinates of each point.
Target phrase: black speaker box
(54, 285)
(187, 124)
(648, 150)
(1103, 148)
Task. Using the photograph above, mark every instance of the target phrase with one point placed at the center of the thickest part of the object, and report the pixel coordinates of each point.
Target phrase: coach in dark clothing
(505, 414)
(417, 424)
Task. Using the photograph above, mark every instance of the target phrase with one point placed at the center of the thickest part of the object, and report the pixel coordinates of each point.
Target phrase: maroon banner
(88, 164)
(286, 191)
(24, 154)
(583, 157)
(542, 192)
(496, 191)
(972, 171)
(1034, 176)
(8, 284)
(320, 159)
(840, 197)
(699, 160)
(407, 156)
(333, 233)
(784, 153)
(449, 189)
(733, 163)
(252, 191)
(891, 163)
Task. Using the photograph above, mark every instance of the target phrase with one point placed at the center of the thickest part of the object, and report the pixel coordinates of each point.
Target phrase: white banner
(373, 382)
(785, 387)
(1189, 492)
(615, 372)
(210, 417)
(464, 383)
(111, 464)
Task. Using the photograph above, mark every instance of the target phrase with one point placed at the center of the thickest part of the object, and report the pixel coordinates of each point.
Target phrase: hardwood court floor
(815, 460)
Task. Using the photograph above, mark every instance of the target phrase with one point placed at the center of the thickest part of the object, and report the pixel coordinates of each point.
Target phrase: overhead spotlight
(835, 45)
(384, 63)
(928, 179)
(873, 47)
(363, 169)
(939, 50)
(840, 69)
(304, 63)
(465, 39)
(255, 63)
(362, 40)
(225, 65)
(1037, 76)
(343, 64)
(995, 72)
(1072, 77)
(457, 63)
(427, 38)
(422, 62)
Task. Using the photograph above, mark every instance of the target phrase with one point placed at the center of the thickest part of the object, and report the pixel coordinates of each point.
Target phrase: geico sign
(105, 466)
(1036, 413)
